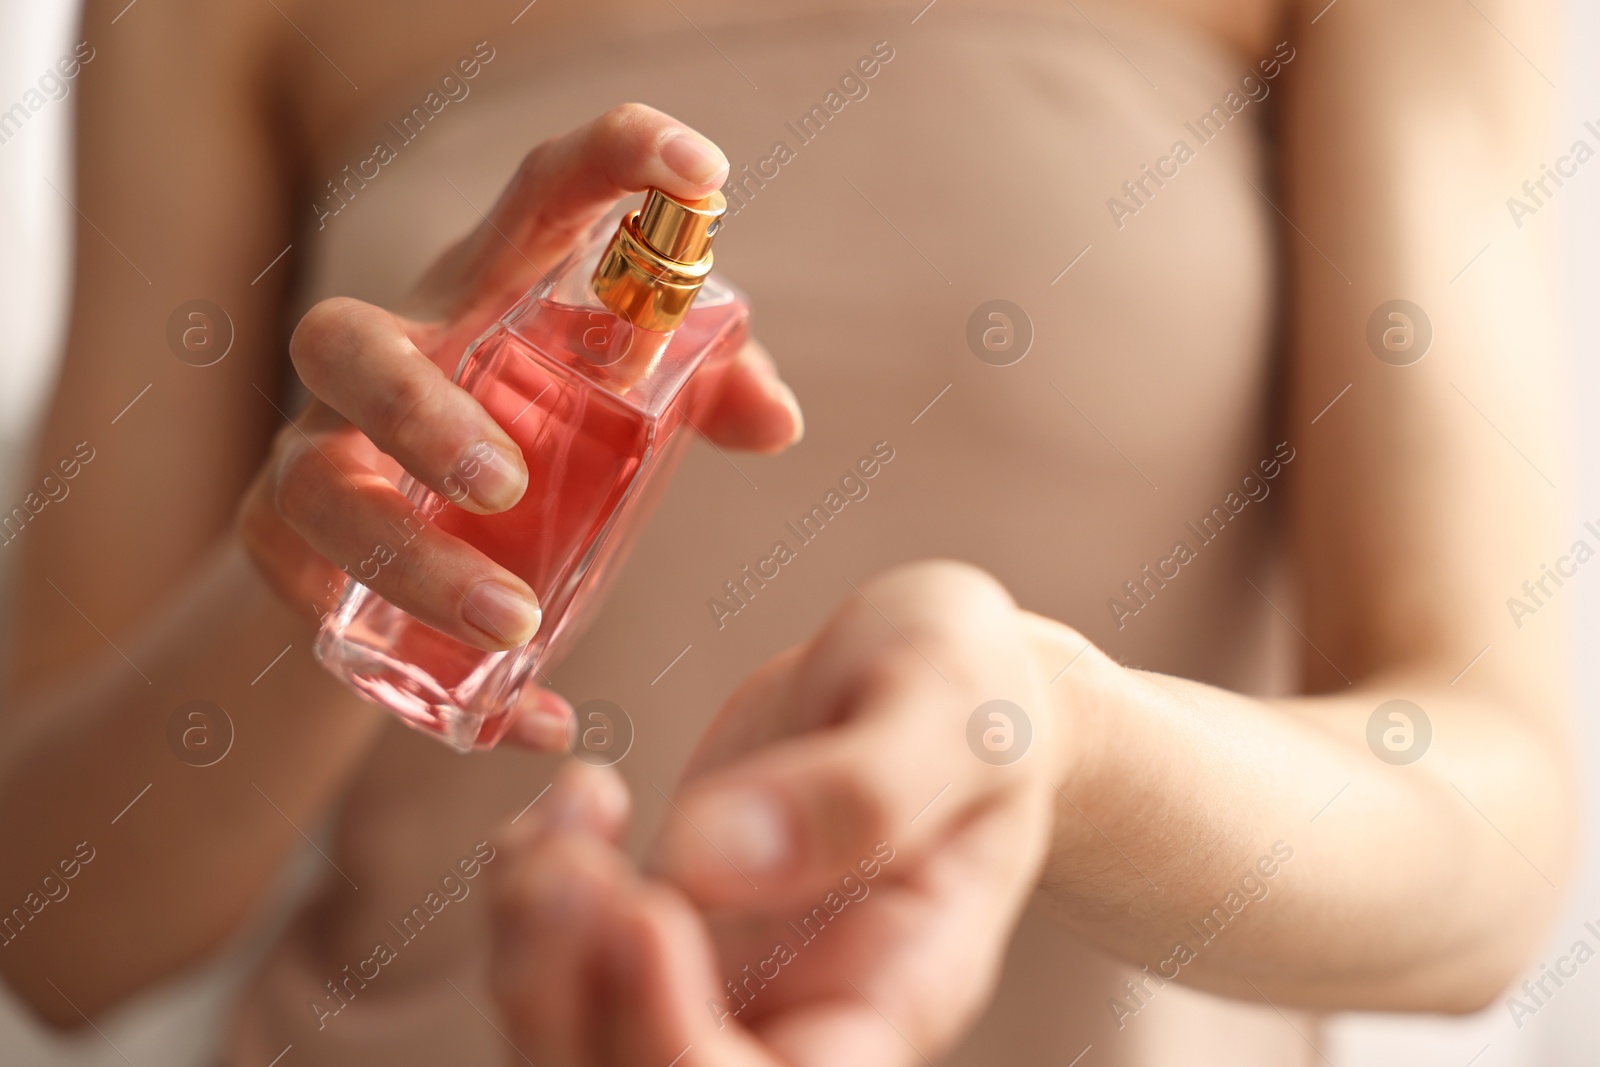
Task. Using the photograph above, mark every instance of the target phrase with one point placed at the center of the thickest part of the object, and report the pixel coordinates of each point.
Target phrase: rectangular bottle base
(412, 694)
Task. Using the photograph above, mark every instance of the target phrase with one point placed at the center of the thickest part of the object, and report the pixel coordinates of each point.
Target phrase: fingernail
(694, 158)
(747, 827)
(494, 478)
(503, 613)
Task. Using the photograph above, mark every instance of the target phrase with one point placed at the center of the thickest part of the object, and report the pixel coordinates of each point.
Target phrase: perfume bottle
(599, 374)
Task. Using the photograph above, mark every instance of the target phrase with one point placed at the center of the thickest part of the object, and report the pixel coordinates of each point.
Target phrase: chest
(338, 61)
(977, 166)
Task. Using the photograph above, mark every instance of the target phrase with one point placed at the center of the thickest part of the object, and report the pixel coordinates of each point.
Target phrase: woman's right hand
(384, 402)
(840, 774)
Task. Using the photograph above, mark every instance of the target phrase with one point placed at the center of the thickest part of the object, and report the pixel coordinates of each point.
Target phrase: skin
(1410, 519)
(1404, 894)
(843, 734)
(319, 497)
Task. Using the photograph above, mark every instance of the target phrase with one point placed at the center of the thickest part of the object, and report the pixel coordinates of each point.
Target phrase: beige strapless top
(975, 165)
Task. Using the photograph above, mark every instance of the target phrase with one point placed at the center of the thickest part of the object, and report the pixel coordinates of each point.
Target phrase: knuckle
(625, 118)
(533, 164)
(413, 575)
(958, 576)
(865, 812)
(627, 135)
(299, 485)
(407, 408)
(404, 580)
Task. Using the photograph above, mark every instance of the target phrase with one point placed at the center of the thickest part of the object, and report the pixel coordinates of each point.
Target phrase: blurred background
(35, 224)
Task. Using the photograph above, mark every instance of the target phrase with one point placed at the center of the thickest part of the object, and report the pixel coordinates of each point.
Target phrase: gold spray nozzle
(654, 266)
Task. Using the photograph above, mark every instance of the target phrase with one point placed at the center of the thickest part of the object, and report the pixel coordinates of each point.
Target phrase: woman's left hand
(842, 868)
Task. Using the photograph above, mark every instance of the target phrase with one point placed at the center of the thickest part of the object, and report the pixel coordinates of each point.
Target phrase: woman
(1136, 180)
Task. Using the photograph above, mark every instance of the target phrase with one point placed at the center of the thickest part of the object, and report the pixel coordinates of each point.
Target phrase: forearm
(182, 852)
(1390, 887)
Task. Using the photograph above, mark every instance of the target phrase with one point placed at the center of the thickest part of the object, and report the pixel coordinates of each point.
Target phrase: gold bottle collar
(660, 255)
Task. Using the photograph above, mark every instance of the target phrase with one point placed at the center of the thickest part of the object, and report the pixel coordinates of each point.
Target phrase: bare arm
(1371, 885)
(1423, 886)
(126, 607)
(136, 593)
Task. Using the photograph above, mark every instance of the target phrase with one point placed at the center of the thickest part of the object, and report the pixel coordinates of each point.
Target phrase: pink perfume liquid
(602, 412)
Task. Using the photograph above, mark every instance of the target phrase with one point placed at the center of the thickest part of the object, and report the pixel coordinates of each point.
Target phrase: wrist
(1079, 683)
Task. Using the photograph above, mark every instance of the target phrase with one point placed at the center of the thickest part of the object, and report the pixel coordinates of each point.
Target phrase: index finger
(566, 185)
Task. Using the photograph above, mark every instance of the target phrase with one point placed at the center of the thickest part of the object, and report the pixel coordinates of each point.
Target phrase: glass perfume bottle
(598, 374)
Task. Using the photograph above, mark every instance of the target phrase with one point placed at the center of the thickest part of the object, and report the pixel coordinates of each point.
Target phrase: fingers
(591, 965)
(788, 821)
(663, 992)
(329, 495)
(665, 1003)
(752, 718)
(550, 913)
(590, 799)
(755, 411)
(582, 799)
(549, 904)
(540, 722)
(305, 581)
(358, 360)
(885, 764)
(565, 186)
